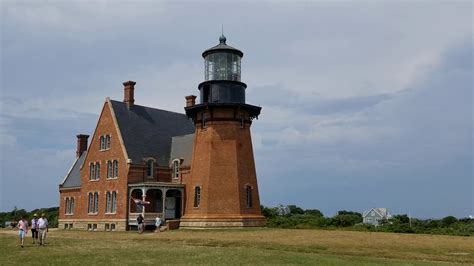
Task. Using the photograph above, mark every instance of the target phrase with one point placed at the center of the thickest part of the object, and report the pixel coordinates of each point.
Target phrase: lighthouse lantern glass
(222, 66)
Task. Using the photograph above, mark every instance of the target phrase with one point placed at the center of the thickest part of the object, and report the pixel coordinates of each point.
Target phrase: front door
(170, 208)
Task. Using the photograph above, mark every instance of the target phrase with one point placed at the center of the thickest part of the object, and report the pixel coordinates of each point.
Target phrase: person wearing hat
(43, 228)
(34, 228)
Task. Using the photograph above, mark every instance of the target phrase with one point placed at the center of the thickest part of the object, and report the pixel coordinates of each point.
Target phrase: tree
(314, 212)
(448, 221)
(295, 210)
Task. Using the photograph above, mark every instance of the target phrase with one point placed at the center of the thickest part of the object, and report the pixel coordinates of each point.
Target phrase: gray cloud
(368, 101)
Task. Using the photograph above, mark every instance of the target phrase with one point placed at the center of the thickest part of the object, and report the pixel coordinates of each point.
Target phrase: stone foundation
(222, 221)
(93, 225)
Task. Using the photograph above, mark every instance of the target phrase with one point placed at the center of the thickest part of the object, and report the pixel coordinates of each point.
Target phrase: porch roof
(155, 184)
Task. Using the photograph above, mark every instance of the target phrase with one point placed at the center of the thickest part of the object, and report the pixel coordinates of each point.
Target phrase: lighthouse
(222, 189)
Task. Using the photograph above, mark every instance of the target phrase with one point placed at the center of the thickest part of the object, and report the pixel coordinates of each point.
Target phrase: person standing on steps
(140, 224)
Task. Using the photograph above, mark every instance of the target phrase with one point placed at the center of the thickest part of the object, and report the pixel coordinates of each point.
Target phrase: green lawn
(246, 246)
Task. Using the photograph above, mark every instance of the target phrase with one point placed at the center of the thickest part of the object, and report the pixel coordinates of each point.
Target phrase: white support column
(164, 203)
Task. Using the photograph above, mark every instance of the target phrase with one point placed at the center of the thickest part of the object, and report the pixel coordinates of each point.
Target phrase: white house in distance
(374, 215)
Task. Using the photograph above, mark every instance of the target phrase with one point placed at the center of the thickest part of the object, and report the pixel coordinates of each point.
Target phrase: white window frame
(176, 170)
(115, 169)
(197, 196)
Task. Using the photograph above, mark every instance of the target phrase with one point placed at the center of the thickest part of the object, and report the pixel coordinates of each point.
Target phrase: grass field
(246, 246)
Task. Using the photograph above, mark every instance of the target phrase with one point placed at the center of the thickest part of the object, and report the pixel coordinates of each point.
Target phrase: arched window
(115, 168)
(176, 168)
(114, 202)
(107, 202)
(97, 171)
(109, 170)
(102, 143)
(197, 196)
(149, 170)
(91, 171)
(90, 208)
(96, 202)
(66, 209)
(71, 209)
(248, 191)
(107, 142)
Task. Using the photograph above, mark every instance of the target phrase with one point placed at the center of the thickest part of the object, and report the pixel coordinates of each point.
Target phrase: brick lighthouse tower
(222, 190)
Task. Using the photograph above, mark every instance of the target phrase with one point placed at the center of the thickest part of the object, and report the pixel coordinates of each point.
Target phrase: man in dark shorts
(34, 228)
(140, 223)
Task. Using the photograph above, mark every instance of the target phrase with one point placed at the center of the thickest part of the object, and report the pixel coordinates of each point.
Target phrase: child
(23, 230)
(157, 224)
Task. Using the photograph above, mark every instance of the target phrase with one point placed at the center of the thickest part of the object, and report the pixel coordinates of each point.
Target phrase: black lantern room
(222, 84)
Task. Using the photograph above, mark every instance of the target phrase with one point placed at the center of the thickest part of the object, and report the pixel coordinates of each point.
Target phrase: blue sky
(365, 104)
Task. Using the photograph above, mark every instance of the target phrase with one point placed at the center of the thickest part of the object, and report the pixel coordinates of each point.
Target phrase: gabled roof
(382, 212)
(147, 132)
(182, 148)
(73, 177)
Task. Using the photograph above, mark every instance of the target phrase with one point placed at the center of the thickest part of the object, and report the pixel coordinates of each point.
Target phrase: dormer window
(149, 169)
(176, 164)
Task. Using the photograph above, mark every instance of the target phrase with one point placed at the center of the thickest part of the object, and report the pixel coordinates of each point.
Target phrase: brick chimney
(129, 87)
(81, 144)
(190, 100)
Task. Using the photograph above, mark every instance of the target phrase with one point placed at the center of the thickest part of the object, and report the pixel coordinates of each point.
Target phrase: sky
(365, 103)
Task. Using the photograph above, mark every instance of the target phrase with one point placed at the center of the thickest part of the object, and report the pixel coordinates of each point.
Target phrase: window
(110, 202)
(176, 168)
(115, 168)
(107, 141)
(97, 171)
(197, 196)
(107, 202)
(114, 202)
(242, 121)
(66, 226)
(90, 208)
(102, 143)
(91, 171)
(69, 206)
(248, 191)
(149, 171)
(94, 227)
(203, 120)
(107, 227)
(112, 227)
(71, 226)
(66, 209)
(109, 170)
(96, 202)
(89, 226)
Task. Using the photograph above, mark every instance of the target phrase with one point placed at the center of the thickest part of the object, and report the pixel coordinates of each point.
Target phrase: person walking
(140, 224)
(43, 229)
(34, 228)
(22, 230)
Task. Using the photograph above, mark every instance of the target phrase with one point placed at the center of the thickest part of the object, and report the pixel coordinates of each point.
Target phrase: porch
(165, 201)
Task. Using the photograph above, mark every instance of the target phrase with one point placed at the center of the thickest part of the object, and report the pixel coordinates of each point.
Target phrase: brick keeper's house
(194, 170)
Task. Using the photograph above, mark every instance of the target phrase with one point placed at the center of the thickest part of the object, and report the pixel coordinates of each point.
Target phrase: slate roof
(147, 132)
(182, 148)
(73, 177)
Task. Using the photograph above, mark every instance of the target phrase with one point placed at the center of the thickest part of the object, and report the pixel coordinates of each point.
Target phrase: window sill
(112, 178)
(110, 213)
(93, 213)
(94, 180)
(69, 214)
